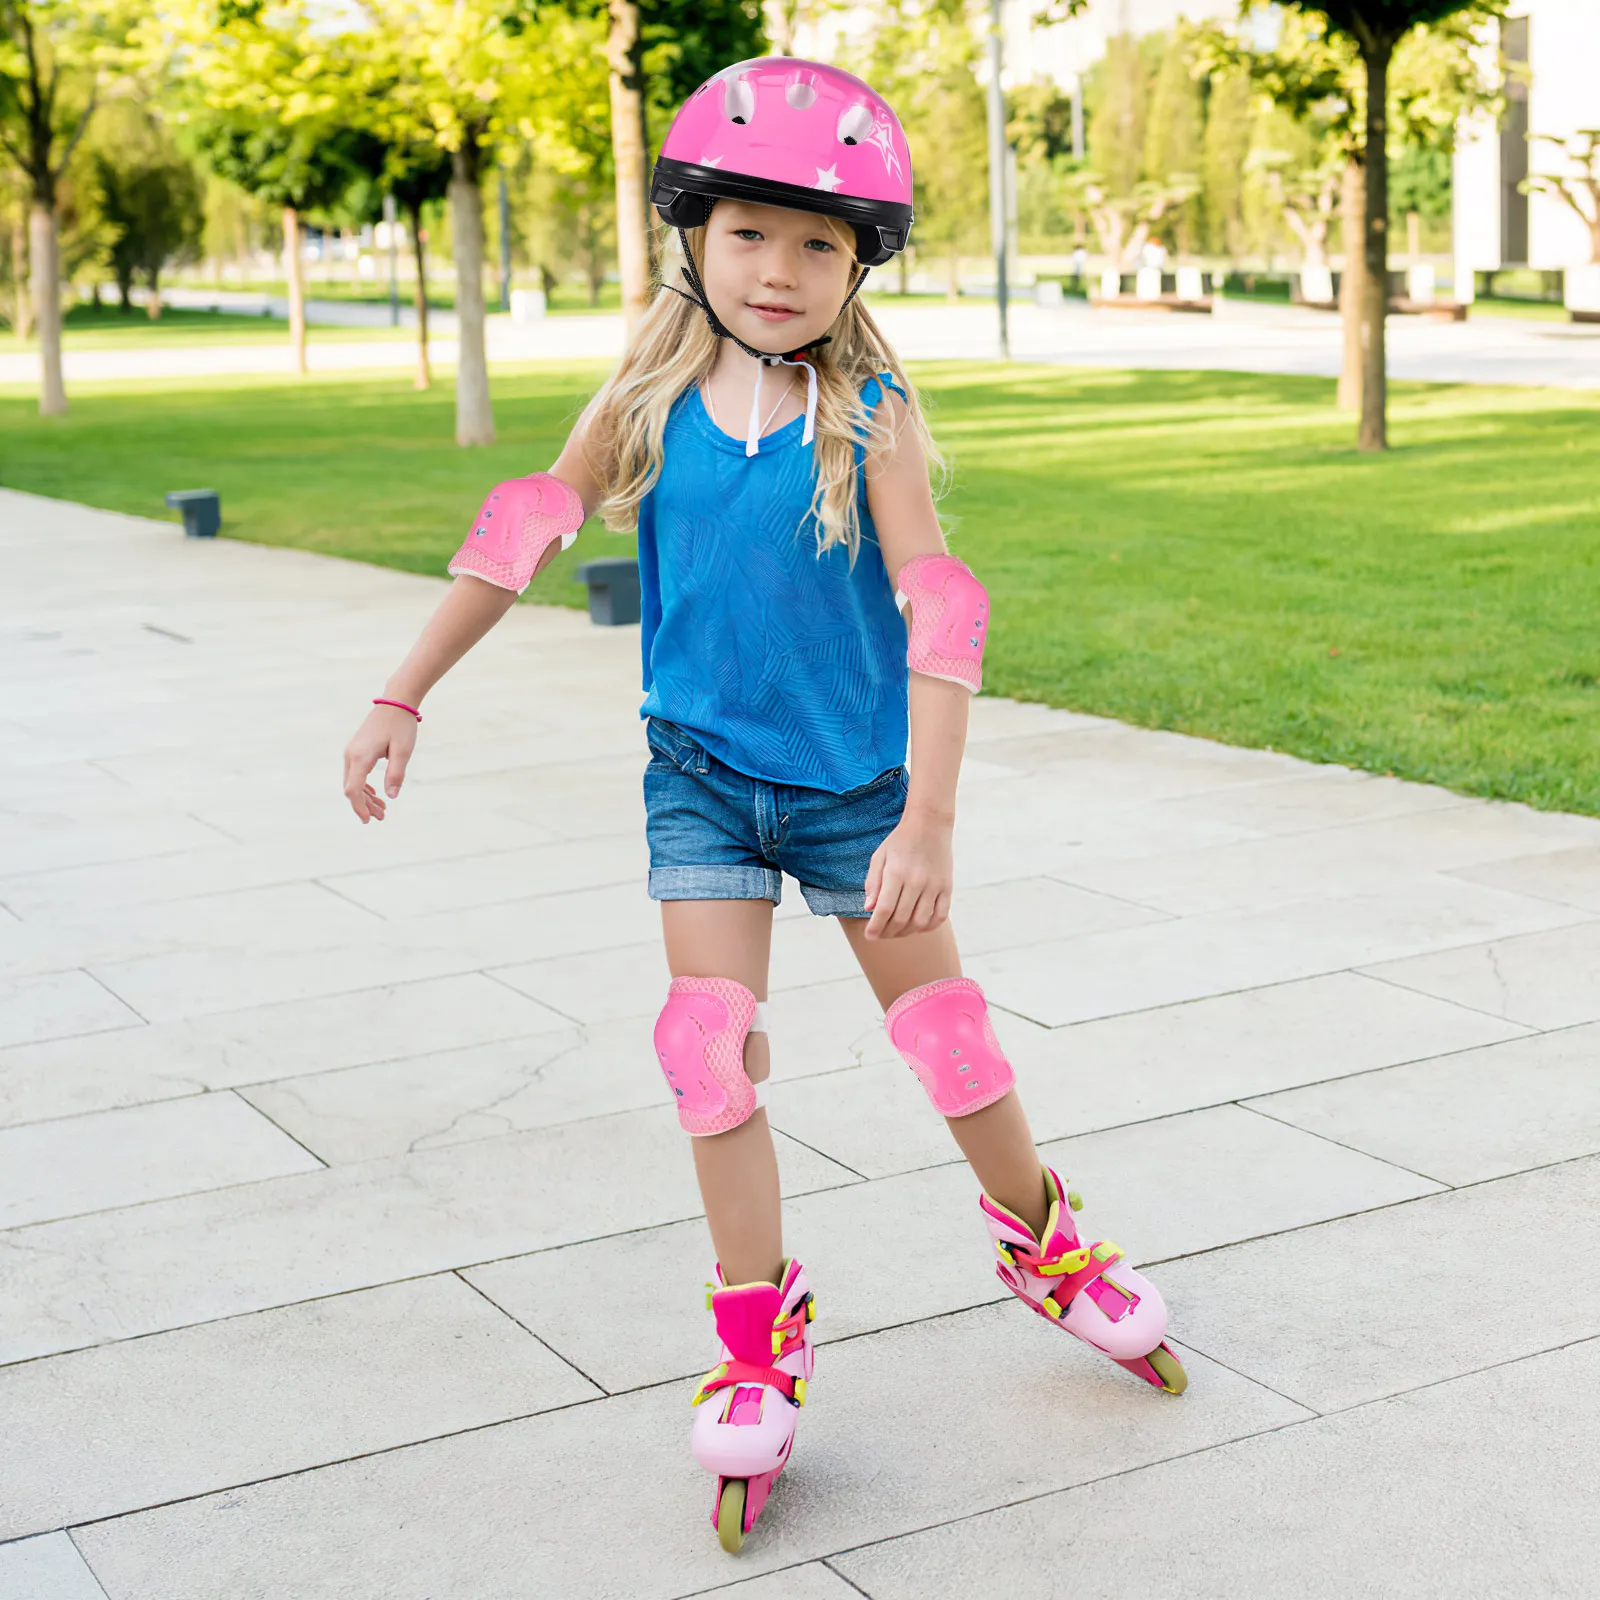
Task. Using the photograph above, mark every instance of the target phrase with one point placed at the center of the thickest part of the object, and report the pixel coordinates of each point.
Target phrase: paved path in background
(350, 1250)
(1241, 337)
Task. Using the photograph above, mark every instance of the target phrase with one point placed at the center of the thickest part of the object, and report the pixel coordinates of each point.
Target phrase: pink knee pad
(699, 1040)
(943, 1031)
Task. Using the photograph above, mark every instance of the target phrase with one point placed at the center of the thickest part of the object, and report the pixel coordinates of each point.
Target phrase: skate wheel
(1169, 1369)
(730, 1514)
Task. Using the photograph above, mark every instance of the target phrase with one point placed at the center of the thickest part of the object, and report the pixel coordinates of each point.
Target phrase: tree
(1376, 27)
(1173, 136)
(1116, 133)
(1428, 77)
(1125, 222)
(417, 175)
(267, 103)
(1580, 181)
(54, 63)
(1222, 158)
(1304, 195)
(659, 52)
(149, 198)
(921, 59)
(294, 166)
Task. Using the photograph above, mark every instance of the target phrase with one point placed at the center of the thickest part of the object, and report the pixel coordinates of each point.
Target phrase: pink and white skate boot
(745, 1434)
(1085, 1288)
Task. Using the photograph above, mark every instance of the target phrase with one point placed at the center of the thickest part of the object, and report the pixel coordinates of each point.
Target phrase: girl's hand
(388, 735)
(910, 878)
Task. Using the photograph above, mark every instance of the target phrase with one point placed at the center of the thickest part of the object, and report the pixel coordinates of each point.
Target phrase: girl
(799, 608)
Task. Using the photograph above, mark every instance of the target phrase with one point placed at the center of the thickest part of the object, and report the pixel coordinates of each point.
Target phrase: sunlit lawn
(1197, 551)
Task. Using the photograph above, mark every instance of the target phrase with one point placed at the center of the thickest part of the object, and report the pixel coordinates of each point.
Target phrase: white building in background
(1496, 225)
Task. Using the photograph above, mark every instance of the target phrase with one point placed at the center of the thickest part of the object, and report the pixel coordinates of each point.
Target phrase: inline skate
(1085, 1288)
(750, 1401)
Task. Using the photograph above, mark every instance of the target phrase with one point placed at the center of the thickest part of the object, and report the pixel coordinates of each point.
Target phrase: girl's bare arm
(470, 608)
(911, 877)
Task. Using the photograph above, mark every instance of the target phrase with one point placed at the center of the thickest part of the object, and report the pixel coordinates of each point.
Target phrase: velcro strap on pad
(515, 525)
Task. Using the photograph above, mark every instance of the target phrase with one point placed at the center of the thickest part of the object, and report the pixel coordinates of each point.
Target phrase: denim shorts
(718, 834)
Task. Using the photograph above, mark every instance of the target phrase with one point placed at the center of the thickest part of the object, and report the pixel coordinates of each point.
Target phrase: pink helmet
(782, 132)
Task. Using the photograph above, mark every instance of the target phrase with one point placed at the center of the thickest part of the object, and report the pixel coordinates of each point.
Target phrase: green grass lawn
(1197, 551)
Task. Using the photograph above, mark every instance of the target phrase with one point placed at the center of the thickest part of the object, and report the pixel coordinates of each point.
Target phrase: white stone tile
(1178, 1058)
(559, 1075)
(1361, 858)
(594, 986)
(1025, 910)
(46, 1567)
(174, 1262)
(1132, 969)
(503, 875)
(457, 1096)
(1479, 1487)
(996, 716)
(1546, 980)
(1318, 797)
(200, 982)
(36, 841)
(123, 1158)
(100, 1071)
(583, 1300)
(1570, 876)
(57, 1005)
(280, 917)
(1372, 1305)
(813, 1581)
(1027, 825)
(1463, 1118)
(883, 1449)
(193, 1411)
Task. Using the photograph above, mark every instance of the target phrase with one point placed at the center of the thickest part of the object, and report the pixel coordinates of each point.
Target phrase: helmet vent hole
(738, 102)
(855, 125)
(800, 95)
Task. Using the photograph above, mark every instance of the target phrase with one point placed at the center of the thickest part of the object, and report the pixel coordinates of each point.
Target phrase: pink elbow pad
(514, 528)
(949, 618)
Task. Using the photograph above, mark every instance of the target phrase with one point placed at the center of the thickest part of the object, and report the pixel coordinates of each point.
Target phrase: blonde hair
(675, 349)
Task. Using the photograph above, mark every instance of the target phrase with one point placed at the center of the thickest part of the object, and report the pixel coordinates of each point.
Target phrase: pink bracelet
(402, 705)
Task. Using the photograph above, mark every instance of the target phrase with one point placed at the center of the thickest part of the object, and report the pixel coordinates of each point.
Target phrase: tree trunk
(124, 290)
(46, 272)
(1351, 200)
(297, 295)
(22, 294)
(627, 159)
(904, 263)
(474, 415)
(422, 380)
(952, 282)
(1374, 369)
(153, 306)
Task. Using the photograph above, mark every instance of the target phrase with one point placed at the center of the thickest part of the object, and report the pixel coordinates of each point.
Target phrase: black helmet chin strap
(764, 358)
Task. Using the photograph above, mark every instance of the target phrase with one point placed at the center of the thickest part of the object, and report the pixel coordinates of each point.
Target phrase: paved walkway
(1241, 337)
(350, 1251)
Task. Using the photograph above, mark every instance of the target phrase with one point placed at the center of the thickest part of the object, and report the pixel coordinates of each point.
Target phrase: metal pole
(997, 175)
(394, 261)
(505, 244)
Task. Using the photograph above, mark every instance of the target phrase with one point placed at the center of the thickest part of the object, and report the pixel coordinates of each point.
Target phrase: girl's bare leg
(738, 1170)
(996, 1141)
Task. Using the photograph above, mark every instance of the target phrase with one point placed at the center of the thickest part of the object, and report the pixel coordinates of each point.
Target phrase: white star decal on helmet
(710, 161)
(828, 178)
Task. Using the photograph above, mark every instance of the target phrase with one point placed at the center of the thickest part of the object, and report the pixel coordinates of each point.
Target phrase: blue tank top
(786, 665)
